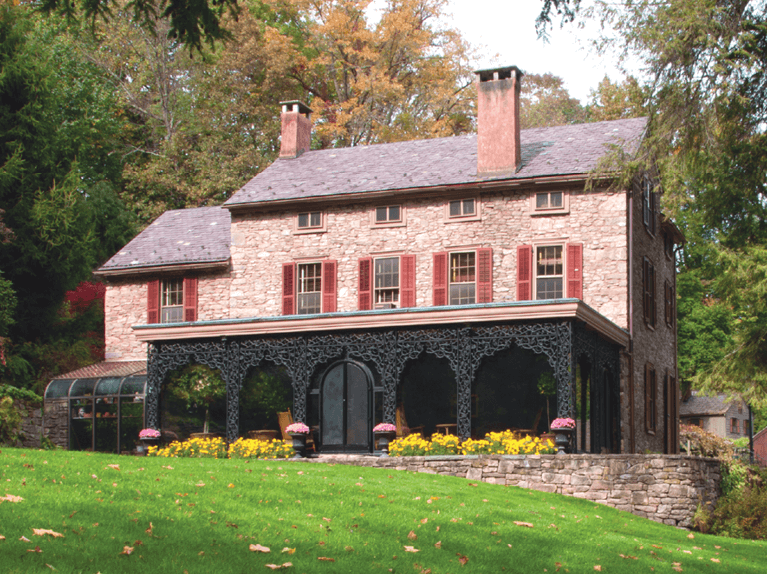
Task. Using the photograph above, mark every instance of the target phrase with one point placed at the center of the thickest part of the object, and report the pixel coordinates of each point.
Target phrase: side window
(546, 202)
(734, 427)
(309, 288)
(386, 282)
(172, 301)
(549, 272)
(651, 398)
(463, 277)
(648, 288)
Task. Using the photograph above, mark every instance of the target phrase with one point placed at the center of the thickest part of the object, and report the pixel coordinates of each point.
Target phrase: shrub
(704, 443)
(10, 422)
(216, 448)
(505, 442)
(252, 448)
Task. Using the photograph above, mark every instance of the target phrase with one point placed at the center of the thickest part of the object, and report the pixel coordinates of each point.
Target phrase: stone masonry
(663, 488)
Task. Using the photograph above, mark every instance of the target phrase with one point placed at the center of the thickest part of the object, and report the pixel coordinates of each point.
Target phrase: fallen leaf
(231, 485)
(348, 548)
(412, 535)
(326, 519)
(279, 567)
(51, 567)
(11, 498)
(258, 548)
(462, 559)
(527, 524)
(43, 532)
(438, 544)
(289, 550)
(37, 549)
(411, 549)
(2, 537)
(715, 560)
(127, 550)
(598, 568)
(658, 547)
(472, 484)
(200, 484)
(324, 559)
(424, 521)
(677, 568)
(690, 536)
(114, 466)
(24, 539)
(632, 557)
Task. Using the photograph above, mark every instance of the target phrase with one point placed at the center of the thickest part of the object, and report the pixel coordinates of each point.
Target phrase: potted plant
(298, 432)
(563, 428)
(148, 437)
(384, 434)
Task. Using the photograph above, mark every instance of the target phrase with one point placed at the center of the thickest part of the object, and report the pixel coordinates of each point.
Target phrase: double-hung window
(648, 288)
(309, 288)
(649, 205)
(734, 426)
(550, 202)
(463, 278)
(549, 272)
(651, 398)
(172, 301)
(386, 277)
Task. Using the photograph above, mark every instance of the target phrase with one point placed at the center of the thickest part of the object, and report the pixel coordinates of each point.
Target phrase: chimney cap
(288, 105)
(503, 72)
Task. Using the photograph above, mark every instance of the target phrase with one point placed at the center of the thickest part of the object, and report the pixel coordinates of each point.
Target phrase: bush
(10, 422)
(505, 442)
(20, 394)
(704, 443)
(216, 448)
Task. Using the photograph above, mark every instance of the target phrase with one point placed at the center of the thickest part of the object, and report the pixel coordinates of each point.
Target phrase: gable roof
(198, 236)
(701, 405)
(418, 164)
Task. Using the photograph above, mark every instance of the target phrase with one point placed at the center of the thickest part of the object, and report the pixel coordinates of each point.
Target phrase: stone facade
(665, 489)
(31, 423)
(57, 421)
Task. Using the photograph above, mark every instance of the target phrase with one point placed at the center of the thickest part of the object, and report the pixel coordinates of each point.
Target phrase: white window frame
(393, 304)
(450, 282)
(544, 244)
(300, 281)
(401, 222)
(564, 208)
(476, 216)
(166, 290)
(310, 229)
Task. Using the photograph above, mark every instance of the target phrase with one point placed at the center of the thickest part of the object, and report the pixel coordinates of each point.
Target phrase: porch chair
(402, 428)
(531, 431)
(286, 419)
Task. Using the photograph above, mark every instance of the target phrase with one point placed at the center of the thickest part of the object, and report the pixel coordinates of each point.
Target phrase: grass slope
(202, 515)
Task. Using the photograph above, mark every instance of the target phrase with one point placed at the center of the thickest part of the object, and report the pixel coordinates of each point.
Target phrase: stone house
(717, 415)
(445, 280)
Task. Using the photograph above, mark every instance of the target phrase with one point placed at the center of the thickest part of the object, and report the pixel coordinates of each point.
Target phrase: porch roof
(389, 318)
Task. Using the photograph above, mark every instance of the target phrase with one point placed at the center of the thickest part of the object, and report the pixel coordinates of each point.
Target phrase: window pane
(468, 207)
(316, 219)
(555, 199)
(309, 278)
(303, 220)
(541, 200)
(455, 209)
(549, 288)
(380, 214)
(172, 315)
(309, 303)
(394, 213)
(387, 280)
(462, 294)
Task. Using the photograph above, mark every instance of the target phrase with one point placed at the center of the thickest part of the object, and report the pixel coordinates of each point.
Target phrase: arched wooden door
(346, 408)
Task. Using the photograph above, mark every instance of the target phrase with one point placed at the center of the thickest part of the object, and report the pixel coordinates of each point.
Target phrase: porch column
(564, 370)
(233, 381)
(154, 378)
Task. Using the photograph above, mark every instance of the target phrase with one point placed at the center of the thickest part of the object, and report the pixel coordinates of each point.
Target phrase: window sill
(540, 212)
(316, 230)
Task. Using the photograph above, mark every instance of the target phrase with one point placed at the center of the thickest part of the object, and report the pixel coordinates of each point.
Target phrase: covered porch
(346, 369)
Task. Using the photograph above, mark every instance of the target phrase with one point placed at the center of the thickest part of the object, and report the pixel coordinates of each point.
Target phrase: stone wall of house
(56, 421)
(31, 422)
(263, 241)
(651, 345)
(663, 488)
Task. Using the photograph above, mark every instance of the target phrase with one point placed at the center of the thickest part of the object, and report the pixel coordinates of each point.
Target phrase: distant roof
(200, 235)
(562, 150)
(700, 405)
(107, 369)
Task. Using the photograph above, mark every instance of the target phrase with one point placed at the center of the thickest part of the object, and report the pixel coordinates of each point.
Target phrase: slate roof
(562, 150)
(700, 405)
(107, 369)
(199, 235)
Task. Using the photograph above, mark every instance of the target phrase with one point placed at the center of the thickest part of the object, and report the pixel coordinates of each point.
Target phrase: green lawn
(202, 515)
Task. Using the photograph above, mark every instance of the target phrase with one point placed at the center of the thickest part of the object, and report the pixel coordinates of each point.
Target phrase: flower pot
(562, 439)
(299, 444)
(143, 448)
(382, 440)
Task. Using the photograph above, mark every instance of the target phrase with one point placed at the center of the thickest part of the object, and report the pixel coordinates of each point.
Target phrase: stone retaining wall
(31, 423)
(663, 488)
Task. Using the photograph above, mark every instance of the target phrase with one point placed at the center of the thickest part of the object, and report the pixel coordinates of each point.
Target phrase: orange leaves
(412, 535)
(258, 548)
(113, 466)
(627, 557)
(11, 498)
(598, 568)
(279, 566)
(288, 550)
(462, 559)
(325, 559)
(149, 530)
(411, 549)
(43, 532)
(127, 550)
(438, 545)
(525, 524)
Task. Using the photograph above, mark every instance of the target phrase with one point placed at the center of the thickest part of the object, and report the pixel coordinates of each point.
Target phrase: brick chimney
(296, 129)
(498, 148)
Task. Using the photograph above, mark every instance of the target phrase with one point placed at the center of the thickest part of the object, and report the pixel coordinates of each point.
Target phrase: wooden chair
(531, 431)
(402, 428)
(286, 419)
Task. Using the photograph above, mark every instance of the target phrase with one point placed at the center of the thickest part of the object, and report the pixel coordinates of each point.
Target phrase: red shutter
(575, 270)
(329, 286)
(190, 299)
(439, 287)
(365, 290)
(407, 281)
(524, 273)
(153, 301)
(485, 275)
(288, 288)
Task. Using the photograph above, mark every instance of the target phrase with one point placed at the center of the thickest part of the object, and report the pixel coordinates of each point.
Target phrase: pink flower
(298, 428)
(385, 427)
(149, 433)
(563, 424)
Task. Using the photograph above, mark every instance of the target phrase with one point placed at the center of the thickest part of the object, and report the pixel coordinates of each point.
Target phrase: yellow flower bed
(506, 442)
(216, 448)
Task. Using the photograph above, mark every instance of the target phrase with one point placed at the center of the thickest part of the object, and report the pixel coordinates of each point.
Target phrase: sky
(504, 33)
